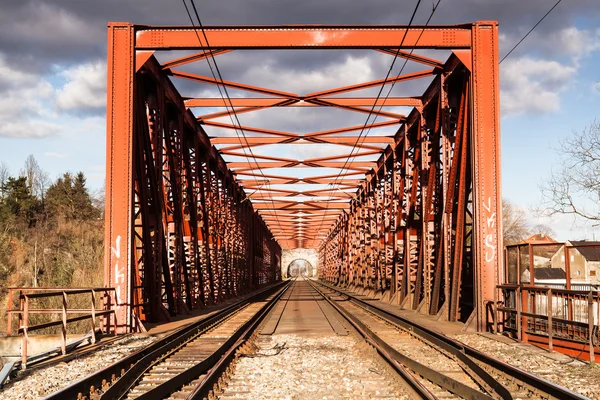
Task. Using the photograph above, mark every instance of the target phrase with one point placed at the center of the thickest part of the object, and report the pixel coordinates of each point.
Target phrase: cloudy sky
(53, 76)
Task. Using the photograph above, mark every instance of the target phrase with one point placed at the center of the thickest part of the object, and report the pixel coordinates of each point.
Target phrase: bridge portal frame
(432, 276)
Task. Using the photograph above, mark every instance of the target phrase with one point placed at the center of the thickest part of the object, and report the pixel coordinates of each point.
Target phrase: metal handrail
(24, 311)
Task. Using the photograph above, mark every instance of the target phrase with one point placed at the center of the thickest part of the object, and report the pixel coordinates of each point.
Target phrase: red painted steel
(421, 229)
(560, 314)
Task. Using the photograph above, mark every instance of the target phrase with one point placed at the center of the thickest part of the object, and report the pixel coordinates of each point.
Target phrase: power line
(404, 65)
(370, 111)
(531, 30)
(220, 80)
(434, 8)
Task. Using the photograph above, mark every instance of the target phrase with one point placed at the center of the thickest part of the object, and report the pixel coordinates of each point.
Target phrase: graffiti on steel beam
(490, 242)
(119, 276)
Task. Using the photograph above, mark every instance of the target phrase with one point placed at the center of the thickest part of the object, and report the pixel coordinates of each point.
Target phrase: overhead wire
(405, 62)
(233, 113)
(527, 34)
(358, 142)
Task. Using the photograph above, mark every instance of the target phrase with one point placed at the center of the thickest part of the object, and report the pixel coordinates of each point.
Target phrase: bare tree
(514, 223)
(4, 174)
(43, 183)
(544, 230)
(37, 180)
(98, 197)
(574, 188)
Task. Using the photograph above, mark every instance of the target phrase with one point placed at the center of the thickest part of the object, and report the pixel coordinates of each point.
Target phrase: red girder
(419, 224)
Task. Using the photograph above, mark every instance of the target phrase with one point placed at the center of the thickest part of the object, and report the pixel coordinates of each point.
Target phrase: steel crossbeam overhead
(198, 209)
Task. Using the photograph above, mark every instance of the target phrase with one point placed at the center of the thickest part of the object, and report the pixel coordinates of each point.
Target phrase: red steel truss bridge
(198, 211)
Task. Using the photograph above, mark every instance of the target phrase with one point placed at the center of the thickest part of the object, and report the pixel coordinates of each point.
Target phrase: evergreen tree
(68, 197)
(18, 202)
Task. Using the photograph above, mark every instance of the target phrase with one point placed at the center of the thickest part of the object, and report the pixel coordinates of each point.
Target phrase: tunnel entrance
(299, 267)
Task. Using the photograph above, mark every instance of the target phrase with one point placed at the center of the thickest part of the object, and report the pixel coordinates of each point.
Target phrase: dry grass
(64, 254)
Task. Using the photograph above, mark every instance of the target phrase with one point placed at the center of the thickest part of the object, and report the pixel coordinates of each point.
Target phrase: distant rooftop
(584, 247)
(539, 238)
(550, 273)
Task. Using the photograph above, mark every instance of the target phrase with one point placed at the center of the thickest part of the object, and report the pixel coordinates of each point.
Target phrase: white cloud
(28, 129)
(352, 70)
(574, 42)
(24, 104)
(530, 85)
(534, 85)
(85, 87)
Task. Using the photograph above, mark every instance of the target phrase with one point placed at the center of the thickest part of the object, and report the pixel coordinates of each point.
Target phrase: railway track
(184, 363)
(192, 362)
(442, 366)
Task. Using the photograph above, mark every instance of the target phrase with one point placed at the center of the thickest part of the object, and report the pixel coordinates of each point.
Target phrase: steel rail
(203, 389)
(402, 364)
(207, 366)
(418, 390)
(465, 352)
(138, 361)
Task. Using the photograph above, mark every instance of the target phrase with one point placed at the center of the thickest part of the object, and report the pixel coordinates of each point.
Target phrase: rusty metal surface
(422, 226)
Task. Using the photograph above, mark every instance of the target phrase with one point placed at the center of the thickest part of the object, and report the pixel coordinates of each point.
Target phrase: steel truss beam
(421, 228)
(179, 236)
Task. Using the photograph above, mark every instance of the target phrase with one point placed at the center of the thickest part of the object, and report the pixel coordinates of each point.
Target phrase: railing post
(9, 313)
(567, 268)
(525, 297)
(506, 280)
(93, 316)
(495, 310)
(25, 335)
(104, 320)
(591, 325)
(549, 312)
(64, 323)
(114, 315)
(531, 266)
(21, 305)
(519, 303)
(518, 265)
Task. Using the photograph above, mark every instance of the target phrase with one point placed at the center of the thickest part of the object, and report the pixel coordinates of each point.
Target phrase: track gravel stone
(41, 382)
(555, 367)
(320, 367)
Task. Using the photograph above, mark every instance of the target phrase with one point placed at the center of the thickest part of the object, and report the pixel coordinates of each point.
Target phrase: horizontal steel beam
(305, 37)
(280, 102)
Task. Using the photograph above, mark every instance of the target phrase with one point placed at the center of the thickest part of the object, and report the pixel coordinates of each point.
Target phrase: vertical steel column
(485, 136)
(119, 169)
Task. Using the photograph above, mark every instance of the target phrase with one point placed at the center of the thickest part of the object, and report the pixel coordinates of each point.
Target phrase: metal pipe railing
(557, 314)
(27, 294)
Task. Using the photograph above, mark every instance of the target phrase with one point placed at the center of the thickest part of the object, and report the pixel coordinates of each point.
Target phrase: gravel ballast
(44, 381)
(575, 375)
(307, 368)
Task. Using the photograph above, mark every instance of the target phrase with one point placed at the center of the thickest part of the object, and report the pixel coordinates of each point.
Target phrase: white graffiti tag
(119, 276)
(490, 245)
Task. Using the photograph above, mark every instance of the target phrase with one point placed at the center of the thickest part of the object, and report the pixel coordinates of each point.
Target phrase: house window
(577, 273)
(562, 258)
(572, 258)
(592, 273)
